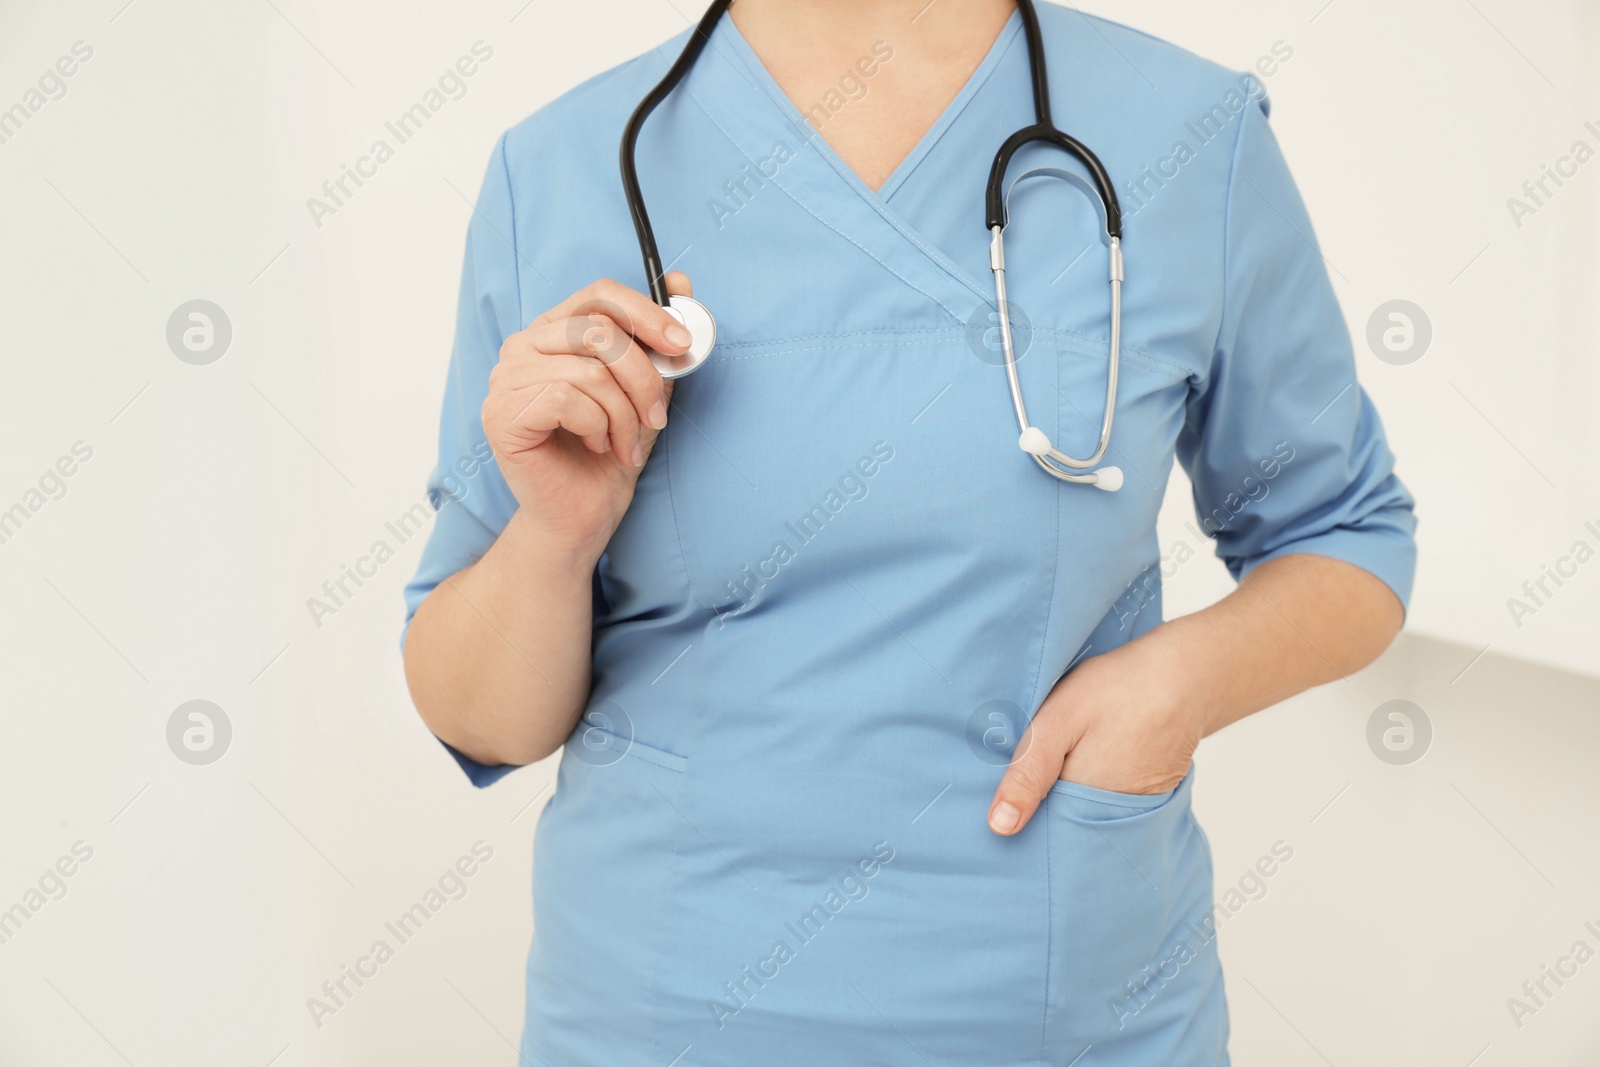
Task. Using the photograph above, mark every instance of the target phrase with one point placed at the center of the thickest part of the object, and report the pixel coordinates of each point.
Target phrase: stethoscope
(702, 326)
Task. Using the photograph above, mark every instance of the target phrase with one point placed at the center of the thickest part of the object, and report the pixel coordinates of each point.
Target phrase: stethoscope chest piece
(703, 337)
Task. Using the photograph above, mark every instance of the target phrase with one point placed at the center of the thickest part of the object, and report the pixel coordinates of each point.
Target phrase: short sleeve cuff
(479, 774)
(1388, 555)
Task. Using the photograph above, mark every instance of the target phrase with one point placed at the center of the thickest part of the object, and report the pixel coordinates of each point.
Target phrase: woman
(788, 632)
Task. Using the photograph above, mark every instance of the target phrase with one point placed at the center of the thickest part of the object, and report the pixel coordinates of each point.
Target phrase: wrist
(1171, 668)
(565, 547)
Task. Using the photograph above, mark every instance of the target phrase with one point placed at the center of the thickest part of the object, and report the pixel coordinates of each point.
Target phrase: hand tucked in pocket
(1127, 722)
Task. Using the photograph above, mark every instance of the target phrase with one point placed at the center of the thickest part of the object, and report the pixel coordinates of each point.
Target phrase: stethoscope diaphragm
(702, 333)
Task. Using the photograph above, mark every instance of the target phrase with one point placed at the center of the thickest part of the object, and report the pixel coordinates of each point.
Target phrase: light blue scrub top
(767, 843)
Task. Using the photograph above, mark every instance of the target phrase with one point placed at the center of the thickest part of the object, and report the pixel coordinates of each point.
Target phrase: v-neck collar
(721, 83)
(740, 46)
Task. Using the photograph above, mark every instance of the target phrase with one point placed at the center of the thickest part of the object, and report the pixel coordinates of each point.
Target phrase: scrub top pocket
(1133, 971)
(1102, 805)
(602, 862)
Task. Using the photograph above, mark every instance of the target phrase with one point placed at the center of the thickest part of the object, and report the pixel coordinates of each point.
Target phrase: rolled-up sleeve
(466, 489)
(1284, 448)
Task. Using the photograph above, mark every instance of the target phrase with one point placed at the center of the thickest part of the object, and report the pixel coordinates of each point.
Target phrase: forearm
(1295, 622)
(497, 657)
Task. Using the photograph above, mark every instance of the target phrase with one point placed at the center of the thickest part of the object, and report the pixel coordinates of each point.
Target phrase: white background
(219, 498)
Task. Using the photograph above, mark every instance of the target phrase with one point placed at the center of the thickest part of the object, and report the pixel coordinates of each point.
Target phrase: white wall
(1408, 127)
(218, 498)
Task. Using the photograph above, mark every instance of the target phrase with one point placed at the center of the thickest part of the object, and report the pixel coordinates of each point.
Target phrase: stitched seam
(779, 348)
(1049, 927)
(658, 965)
(948, 333)
(680, 788)
(1055, 562)
(824, 348)
(933, 255)
(1108, 802)
(880, 202)
(1137, 353)
(952, 331)
(1227, 230)
(659, 757)
(672, 506)
(1049, 903)
(511, 203)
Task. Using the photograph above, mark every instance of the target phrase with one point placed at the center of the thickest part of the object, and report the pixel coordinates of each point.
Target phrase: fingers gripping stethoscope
(703, 328)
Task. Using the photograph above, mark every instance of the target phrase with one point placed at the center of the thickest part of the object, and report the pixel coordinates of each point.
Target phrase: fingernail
(677, 335)
(1003, 819)
(638, 455)
(658, 415)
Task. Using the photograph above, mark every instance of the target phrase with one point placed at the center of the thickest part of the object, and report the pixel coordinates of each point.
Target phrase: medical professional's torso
(840, 583)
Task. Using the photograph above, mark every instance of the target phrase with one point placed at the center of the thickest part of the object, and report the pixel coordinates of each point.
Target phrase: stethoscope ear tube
(994, 200)
(1031, 439)
(1044, 129)
(630, 138)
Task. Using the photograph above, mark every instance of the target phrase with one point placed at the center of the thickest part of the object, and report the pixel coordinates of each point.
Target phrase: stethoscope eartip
(1108, 478)
(1035, 442)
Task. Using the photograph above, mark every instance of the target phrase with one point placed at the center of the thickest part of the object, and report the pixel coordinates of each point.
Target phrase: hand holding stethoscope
(584, 366)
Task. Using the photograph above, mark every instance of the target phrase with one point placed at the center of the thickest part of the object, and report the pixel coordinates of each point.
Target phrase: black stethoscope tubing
(630, 138)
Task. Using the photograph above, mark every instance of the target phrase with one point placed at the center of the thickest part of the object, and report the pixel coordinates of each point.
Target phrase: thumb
(1035, 768)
